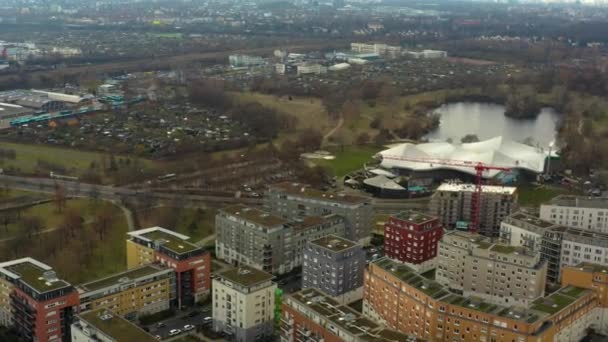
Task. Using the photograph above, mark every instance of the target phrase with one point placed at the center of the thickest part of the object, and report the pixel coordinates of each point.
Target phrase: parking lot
(195, 317)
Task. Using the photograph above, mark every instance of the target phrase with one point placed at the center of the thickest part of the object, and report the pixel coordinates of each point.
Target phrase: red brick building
(412, 237)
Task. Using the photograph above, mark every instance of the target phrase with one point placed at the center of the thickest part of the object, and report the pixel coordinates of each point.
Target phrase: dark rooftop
(334, 243)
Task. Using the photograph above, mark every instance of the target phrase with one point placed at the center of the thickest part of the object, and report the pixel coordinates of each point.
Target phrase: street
(178, 322)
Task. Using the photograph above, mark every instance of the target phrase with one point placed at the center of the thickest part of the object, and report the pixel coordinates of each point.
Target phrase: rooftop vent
(106, 316)
(243, 271)
(123, 280)
(50, 276)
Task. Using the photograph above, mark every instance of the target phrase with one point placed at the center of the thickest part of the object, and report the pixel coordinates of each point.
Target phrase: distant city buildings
(249, 236)
(586, 213)
(293, 200)
(335, 266)
(243, 303)
(239, 61)
(498, 273)
(412, 238)
(452, 204)
(190, 262)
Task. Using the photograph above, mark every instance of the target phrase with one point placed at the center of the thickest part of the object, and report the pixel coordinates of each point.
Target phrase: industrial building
(498, 273)
(35, 302)
(243, 304)
(335, 266)
(311, 315)
(401, 299)
(412, 238)
(380, 49)
(105, 326)
(586, 213)
(293, 200)
(140, 291)
(192, 265)
(452, 204)
(311, 68)
(253, 237)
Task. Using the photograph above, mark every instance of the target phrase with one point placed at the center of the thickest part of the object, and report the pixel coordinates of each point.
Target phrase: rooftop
(313, 221)
(254, 215)
(171, 240)
(580, 202)
(39, 279)
(122, 277)
(303, 190)
(334, 243)
(559, 299)
(589, 267)
(414, 217)
(494, 189)
(115, 326)
(246, 276)
(345, 317)
(529, 220)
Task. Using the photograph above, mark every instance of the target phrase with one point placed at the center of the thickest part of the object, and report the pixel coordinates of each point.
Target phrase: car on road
(188, 327)
(160, 325)
(174, 332)
(207, 320)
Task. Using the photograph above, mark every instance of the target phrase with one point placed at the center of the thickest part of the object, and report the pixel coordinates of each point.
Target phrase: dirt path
(333, 130)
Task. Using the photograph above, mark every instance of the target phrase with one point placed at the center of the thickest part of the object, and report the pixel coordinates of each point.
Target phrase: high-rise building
(398, 297)
(452, 204)
(335, 266)
(105, 326)
(41, 306)
(497, 273)
(192, 265)
(311, 315)
(249, 236)
(586, 213)
(243, 303)
(293, 200)
(140, 291)
(412, 238)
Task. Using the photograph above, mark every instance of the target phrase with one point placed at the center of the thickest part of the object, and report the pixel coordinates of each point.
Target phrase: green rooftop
(414, 217)
(115, 326)
(558, 300)
(171, 241)
(122, 277)
(246, 276)
(503, 249)
(33, 276)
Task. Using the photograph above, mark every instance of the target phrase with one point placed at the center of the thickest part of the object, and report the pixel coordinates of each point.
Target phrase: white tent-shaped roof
(496, 152)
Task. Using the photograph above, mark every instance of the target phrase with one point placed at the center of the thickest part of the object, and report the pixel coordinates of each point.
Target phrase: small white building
(306, 69)
(245, 60)
(243, 304)
(587, 213)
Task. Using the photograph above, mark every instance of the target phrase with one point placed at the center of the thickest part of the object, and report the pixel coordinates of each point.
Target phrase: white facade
(317, 69)
(577, 212)
(245, 60)
(575, 251)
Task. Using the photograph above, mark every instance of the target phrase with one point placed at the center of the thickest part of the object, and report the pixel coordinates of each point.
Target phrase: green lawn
(180, 220)
(348, 159)
(530, 196)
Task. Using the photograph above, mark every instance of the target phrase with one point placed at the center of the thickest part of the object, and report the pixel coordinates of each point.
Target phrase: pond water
(487, 120)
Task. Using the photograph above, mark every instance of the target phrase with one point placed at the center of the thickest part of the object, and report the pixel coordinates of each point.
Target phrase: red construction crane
(479, 167)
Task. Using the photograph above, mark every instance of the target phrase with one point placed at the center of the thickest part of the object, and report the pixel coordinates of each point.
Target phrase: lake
(487, 120)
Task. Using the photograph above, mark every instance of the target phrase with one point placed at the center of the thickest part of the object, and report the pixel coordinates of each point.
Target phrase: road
(178, 322)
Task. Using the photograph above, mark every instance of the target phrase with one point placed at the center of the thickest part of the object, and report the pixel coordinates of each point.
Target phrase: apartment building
(412, 238)
(498, 273)
(586, 213)
(243, 304)
(293, 200)
(250, 236)
(537, 236)
(239, 61)
(335, 266)
(403, 300)
(452, 204)
(583, 246)
(140, 291)
(389, 51)
(311, 315)
(105, 326)
(192, 265)
(41, 306)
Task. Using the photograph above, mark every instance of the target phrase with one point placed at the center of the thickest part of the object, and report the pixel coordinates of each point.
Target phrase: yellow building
(138, 254)
(139, 291)
(595, 277)
(402, 299)
(6, 288)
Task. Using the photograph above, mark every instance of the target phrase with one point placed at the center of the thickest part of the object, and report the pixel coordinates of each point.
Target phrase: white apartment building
(580, 246)
(587, 213)
(243, 304)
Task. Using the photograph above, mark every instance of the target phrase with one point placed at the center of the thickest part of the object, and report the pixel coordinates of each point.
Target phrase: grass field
(530, 196)
(348, 159)
(180, 220)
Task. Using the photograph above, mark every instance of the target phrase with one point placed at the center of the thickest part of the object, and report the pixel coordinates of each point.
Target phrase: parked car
(160, 325)
(188, 327)
(207, 320)
(174, 332)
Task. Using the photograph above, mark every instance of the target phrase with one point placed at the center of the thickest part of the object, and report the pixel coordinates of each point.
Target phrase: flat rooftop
(580, 202)
(589, 267)
(121, 278)
(334, 243)
(303, 190)
(530, 220)
(483, 242)
(313, 221)
(414, 217)
(33, 276)
(171, 240)
(254, 215)
(492, 189)
(345, 317)
(246, 276)
(558, 300)
(115, 326)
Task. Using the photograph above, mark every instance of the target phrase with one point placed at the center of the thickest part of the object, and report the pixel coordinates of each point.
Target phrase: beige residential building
(243, 304)
(452, 204)
(497, 273)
